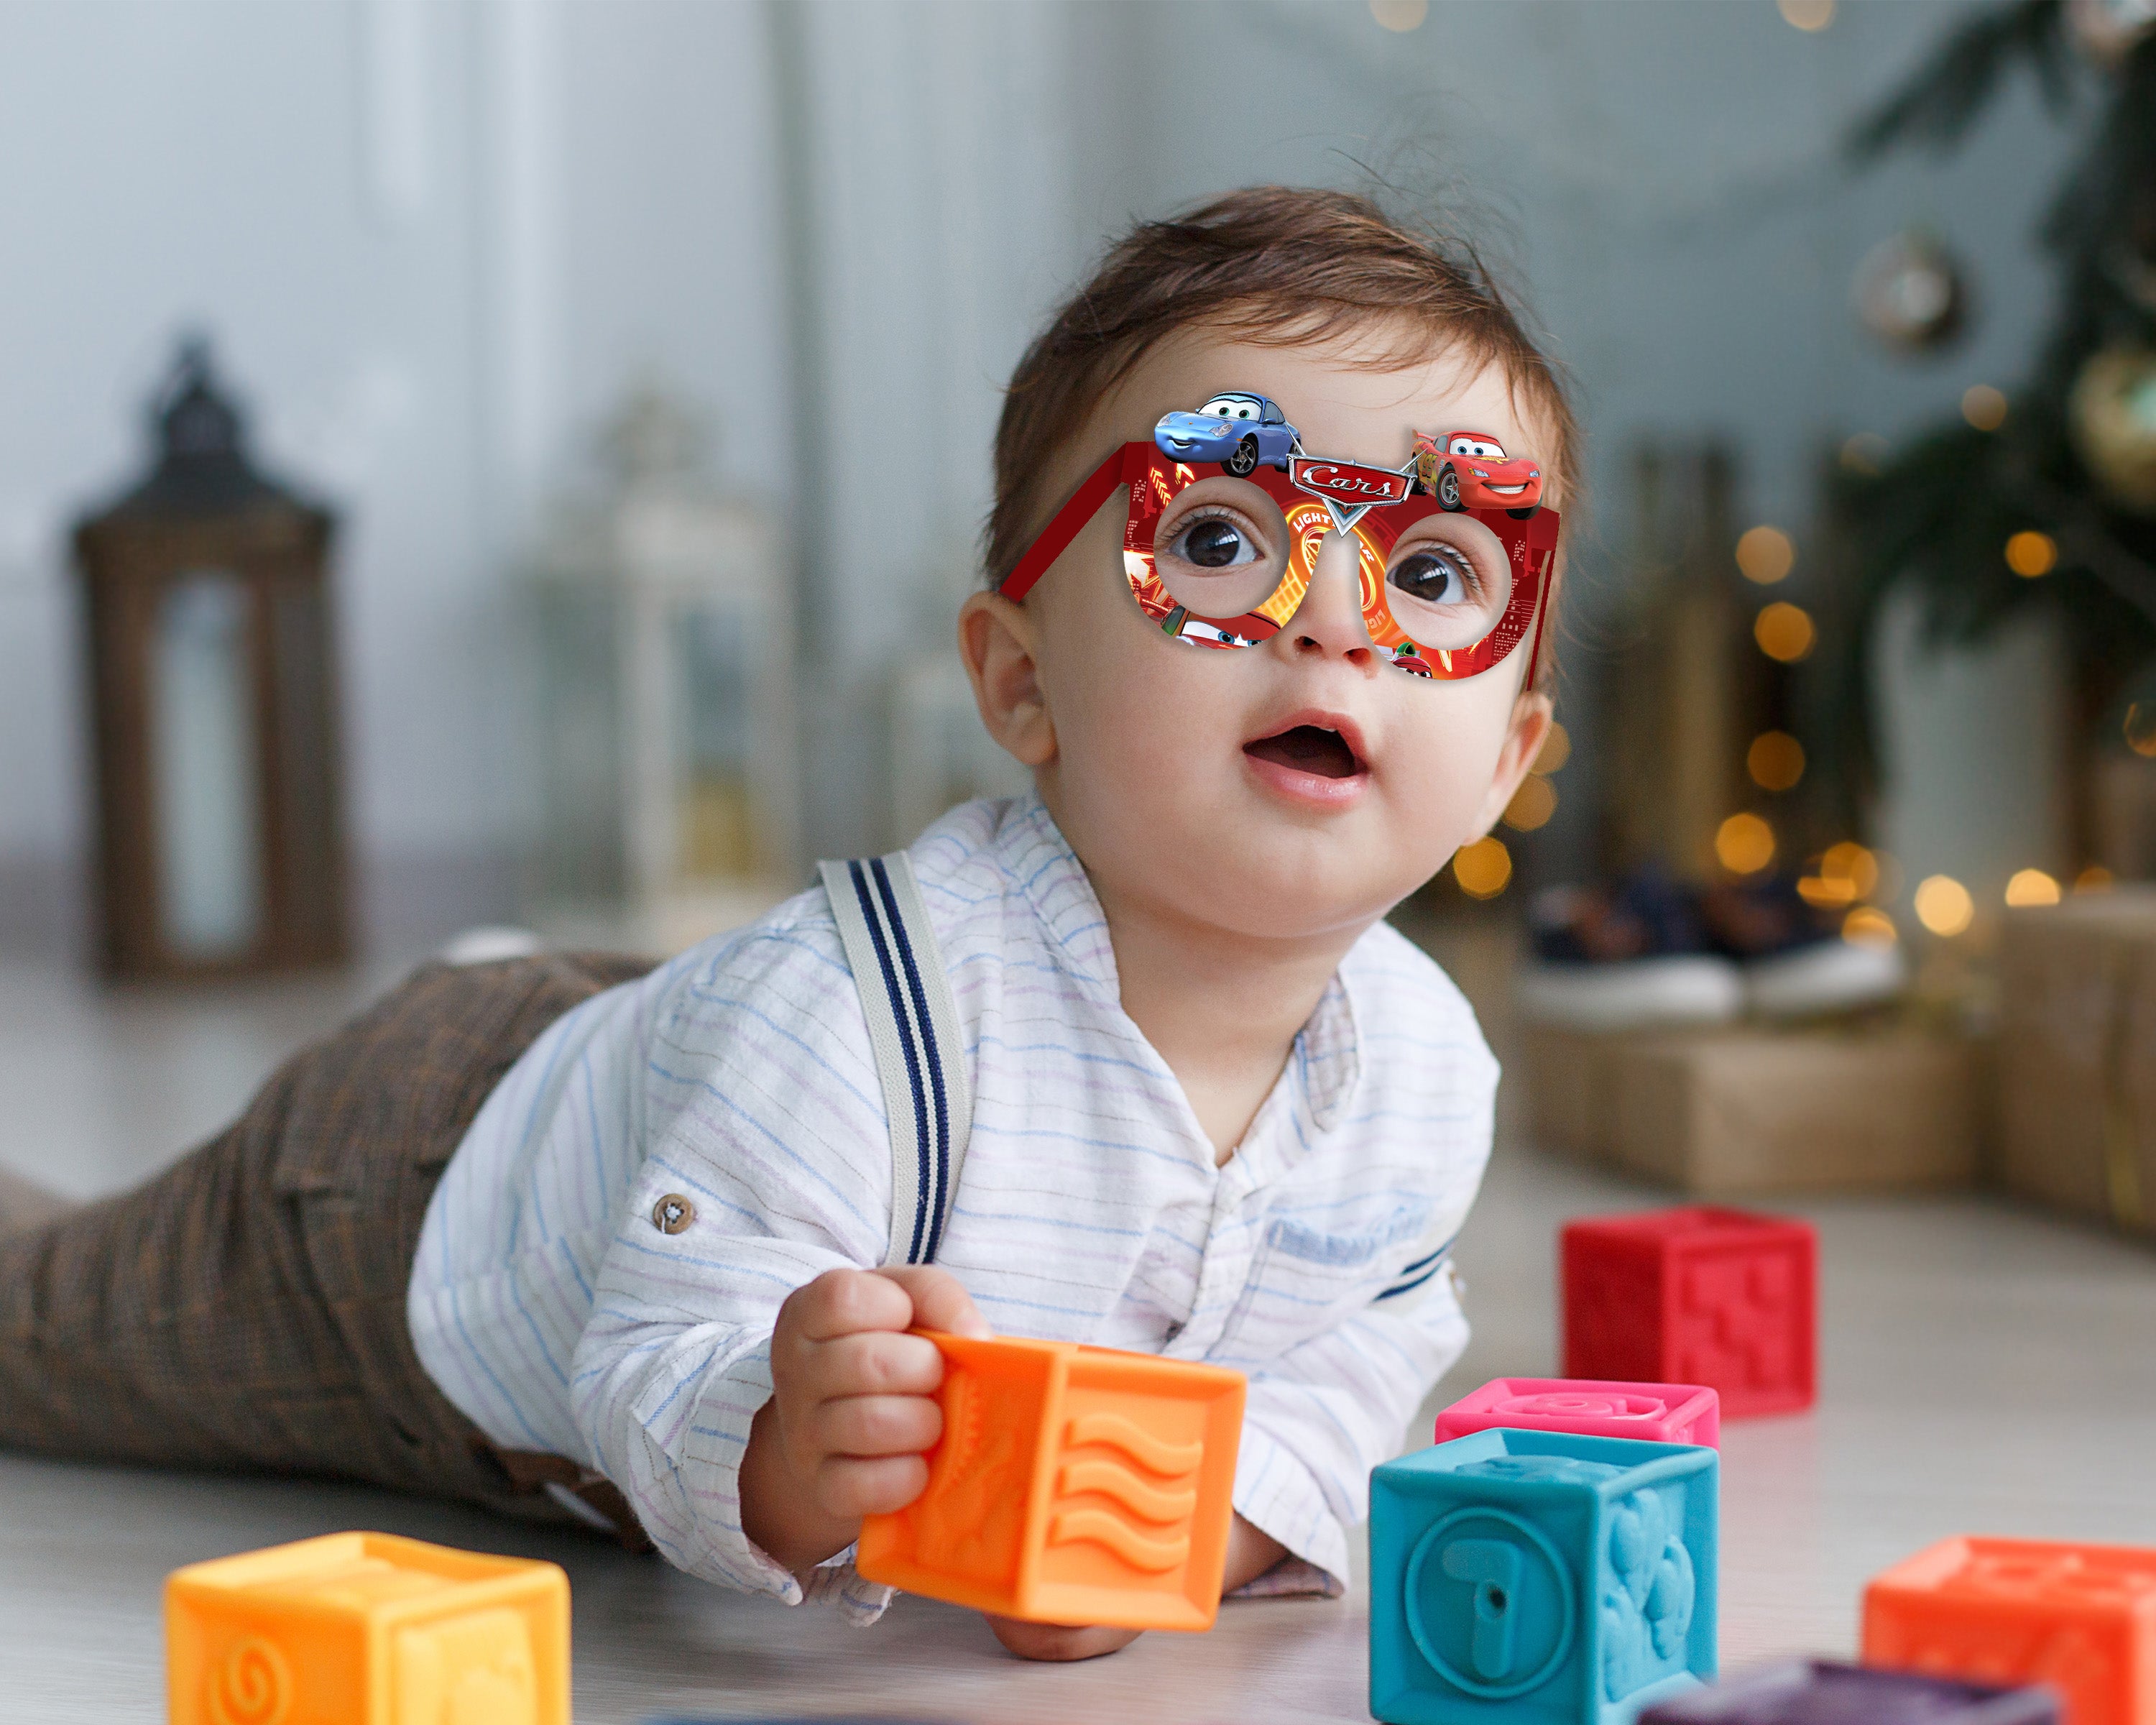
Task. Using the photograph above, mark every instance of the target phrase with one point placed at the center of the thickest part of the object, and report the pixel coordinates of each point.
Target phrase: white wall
(199, 166)
(670, 227)
(931, 181)
(432, 238)
(436, 237)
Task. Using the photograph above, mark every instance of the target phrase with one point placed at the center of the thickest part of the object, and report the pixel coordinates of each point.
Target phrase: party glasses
(1221, 553)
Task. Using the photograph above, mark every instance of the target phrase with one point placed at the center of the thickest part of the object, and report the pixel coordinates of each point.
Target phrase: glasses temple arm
(1056, 536)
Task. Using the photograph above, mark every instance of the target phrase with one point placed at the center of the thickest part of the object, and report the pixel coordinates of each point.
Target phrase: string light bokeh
(1984, 407)
(1765, 556)
(1775, 761)
(2030, 554)
(2032, 886)
(1744, 844)
(1784, 632)
(1944, 906)
(1400, 15)
(1482, 869)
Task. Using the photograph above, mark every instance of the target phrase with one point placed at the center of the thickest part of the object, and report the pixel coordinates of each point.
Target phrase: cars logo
(1349, 481)
(1349, 488)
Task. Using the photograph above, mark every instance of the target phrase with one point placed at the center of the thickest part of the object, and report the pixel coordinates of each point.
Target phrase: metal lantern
(666, 646)
(219, 831)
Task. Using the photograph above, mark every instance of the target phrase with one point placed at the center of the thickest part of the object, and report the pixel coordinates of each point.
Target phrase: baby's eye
(1438, 575)
(1212, 543)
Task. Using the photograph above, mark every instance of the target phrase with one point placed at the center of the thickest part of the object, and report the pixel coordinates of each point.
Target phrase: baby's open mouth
(1308, 748)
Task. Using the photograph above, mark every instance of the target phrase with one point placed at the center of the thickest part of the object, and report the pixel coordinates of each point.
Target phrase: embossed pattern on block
(1071, 1484)
(1696, 1295)
(1592, 1407)
(367, 1628)
(1544, 1576)
(2082, 1618)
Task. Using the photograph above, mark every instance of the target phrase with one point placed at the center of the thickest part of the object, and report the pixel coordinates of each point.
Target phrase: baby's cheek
(1135, 713)
(1451, 736)
(1161, 748)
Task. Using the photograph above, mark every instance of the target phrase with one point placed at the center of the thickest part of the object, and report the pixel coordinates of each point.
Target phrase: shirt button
(672, 1214)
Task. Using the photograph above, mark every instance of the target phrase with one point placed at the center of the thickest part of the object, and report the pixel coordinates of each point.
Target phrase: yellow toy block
(367, 1629)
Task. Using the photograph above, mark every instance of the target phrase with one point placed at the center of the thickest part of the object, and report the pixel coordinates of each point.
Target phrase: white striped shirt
(550, 1308)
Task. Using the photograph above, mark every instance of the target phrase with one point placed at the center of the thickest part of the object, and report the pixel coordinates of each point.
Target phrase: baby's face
(1300, 786)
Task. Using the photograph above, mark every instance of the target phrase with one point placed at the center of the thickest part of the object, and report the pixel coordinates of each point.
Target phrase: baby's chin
(1330, 910)
(1259, 872)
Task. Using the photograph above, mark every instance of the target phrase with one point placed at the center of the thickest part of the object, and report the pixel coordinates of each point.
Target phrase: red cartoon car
(1469, 469)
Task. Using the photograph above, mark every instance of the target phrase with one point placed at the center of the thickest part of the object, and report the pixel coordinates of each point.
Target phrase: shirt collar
(1325, 1061)
(1328, 1055)
(1039, 860)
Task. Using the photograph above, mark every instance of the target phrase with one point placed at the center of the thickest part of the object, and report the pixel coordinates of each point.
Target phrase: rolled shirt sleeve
(770, 1158)
(1323, 1414)
(1328, 1404)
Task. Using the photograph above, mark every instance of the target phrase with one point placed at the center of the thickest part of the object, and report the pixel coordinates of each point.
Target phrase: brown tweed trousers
(245, 1309)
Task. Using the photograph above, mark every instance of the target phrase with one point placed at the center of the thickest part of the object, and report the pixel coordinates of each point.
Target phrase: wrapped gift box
(1736, 1111)
(2078, 1055)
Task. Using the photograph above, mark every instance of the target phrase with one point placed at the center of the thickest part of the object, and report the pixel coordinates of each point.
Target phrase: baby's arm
(1321, 1414)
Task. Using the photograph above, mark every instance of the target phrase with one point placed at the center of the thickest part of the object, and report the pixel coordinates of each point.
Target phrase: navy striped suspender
(913, 1025)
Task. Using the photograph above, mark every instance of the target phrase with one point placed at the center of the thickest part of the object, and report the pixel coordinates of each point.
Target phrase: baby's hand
(851, 1409)
(1058, 1641)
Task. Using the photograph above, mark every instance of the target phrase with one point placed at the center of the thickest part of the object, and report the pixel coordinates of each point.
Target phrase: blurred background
(470, 462)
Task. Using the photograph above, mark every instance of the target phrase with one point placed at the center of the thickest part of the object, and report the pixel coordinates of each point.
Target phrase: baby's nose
(1329, 621)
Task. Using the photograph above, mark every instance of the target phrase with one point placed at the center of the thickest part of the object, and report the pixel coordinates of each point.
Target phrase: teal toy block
(1540, 1577)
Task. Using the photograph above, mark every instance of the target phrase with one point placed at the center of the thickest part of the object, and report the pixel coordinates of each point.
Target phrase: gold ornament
(2112, 411)
(1911, 293)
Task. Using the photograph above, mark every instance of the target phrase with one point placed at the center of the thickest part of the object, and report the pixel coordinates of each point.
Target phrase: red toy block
(1696, 1296)
(2082, 1618)
(1588, 1407)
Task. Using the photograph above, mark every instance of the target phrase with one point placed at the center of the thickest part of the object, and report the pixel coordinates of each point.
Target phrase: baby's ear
(1532, 716)
(996, 640)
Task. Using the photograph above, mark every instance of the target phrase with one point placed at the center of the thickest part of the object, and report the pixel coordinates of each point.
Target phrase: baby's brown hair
(1279, 265)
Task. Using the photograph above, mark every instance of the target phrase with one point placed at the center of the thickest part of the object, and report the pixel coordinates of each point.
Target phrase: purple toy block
(1590, 1407)
(1815, 1692)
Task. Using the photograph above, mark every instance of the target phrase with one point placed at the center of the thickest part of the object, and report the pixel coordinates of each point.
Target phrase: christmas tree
(2047, 497)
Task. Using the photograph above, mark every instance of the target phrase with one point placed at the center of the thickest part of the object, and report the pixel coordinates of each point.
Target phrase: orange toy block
(2082, 1618)
(365, 1628)
(1071, 1484)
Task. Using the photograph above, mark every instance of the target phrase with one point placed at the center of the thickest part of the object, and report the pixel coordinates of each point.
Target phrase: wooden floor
(1986, 1369)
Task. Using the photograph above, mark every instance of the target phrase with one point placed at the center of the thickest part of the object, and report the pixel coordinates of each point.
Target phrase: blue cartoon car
(1237, 430)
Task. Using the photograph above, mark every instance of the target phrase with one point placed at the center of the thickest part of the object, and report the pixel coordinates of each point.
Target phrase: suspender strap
(913, 1025)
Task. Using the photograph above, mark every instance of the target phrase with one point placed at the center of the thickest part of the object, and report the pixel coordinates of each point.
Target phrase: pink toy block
(1590, 1407)
(1696, 1296)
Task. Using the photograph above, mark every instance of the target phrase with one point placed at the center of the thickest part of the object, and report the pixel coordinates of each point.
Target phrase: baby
(575, 1237)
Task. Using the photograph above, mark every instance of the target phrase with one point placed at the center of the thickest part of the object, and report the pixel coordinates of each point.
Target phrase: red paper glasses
(1220, 559)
